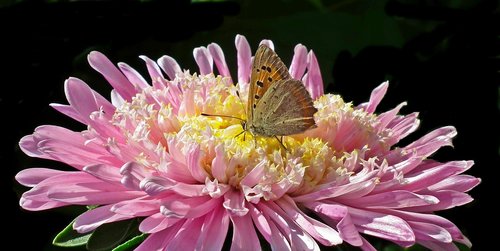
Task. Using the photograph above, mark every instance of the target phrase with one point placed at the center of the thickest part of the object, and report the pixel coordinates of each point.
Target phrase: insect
(277, 105)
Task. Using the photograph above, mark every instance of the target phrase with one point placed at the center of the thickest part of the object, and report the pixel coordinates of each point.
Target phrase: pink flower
(149, 153)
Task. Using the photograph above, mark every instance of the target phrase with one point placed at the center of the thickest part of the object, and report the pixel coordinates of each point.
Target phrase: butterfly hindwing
(286, 108)
(267, 68)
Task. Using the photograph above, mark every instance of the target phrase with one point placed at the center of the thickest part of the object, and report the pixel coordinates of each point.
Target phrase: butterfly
(278, 105)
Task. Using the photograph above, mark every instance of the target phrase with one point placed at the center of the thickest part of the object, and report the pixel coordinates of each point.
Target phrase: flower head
(150, 153)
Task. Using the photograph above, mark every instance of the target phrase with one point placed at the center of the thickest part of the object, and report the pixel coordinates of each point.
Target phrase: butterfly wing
(286, 108)
(267, 68)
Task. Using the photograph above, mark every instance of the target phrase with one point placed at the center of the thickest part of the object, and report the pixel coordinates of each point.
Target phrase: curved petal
(158, 241)
(299, 62)
(154, 70)
(133, 77)
(157, 222)
(68, 111)
(214, 230)
(377, 94)
(319, 231)
(169, 66)
(244, 235)
(219, 59)
(203, 59)
(94, 218)
(244, 55)
(119, 82)
(314, 81)
(32, 176)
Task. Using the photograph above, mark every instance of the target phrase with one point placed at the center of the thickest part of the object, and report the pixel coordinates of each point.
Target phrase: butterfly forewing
(286, 108)
(267, 69)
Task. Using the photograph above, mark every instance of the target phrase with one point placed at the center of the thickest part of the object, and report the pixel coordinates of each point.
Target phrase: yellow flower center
(174, 112)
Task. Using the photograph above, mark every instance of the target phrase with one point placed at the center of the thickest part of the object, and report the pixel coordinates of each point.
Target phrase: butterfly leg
(280, 140)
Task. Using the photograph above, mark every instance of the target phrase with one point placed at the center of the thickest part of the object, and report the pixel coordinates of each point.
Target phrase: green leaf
(110, 235)
(68, 237)
(132, 243)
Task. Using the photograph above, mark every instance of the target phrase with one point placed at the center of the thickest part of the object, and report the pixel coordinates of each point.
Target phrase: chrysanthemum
(150, 154)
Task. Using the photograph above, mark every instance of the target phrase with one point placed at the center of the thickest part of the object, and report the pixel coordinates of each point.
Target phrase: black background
(440, 56)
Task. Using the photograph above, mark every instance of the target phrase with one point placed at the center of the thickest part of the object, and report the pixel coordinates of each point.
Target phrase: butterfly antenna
(223, 116)
(281, 142)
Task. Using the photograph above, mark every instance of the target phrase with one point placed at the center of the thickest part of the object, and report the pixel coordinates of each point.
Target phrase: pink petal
(119, 82)
(139, 207)
(235, 203)
(153, 70)
(377, 94)
(90, 192)
(331, 191)
(383, 226)
(219, 164)
(86, 101)
(260, 222)
(203, 59)
(61, 144)
(387, 117)
(187, 236)
(431, 219)
(110, 174)
(158, 241)
(459, 183)
(255, 175)
(94, 218)
(268, 43)
(133, 77)
(38, 197)
(220, 61)
(244, 59)
(423, 178)
(299, 239)
(338, 213)
(155, 185)
(434, 140)
(244, 235)
(68, 111)
(318, 230)
(430, 232)
(80, 97)
(116, 99)
(447, 199)
(32, 176)
(314, 82)
(349, 232)
(169, 66)
(194, 157)
(36, 200)
(189, 207)
(393, 199)
(214, 230)
(299, 62)
(157, 222)
(405, 125)
(133, 173)
(278, 240)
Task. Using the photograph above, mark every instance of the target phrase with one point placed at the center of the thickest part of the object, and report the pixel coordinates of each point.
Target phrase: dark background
(440, 56)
